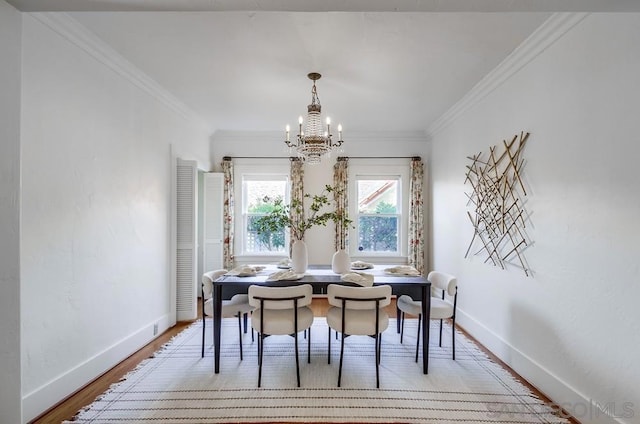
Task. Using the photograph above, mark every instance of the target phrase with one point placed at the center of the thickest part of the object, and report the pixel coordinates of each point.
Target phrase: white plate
(294, 277)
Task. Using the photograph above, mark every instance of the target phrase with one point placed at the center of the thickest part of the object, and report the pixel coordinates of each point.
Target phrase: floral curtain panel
(416, 215)
(341, 184)
(297, 187)
(228, 208)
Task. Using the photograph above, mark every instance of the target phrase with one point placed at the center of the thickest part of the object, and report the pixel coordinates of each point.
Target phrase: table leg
(426, 313)
(217, 324)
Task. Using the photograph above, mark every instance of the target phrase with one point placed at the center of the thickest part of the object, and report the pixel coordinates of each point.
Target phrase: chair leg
(203, 330)
(297, 360)
(260, 349)
(341, 355)
(378, 341)
(258, 355)
(240, 333)
(418, 336)
(453, 337)
(309, 347)
(401, 327)
(380, 348)
(440, 342)
(246, 321)
(329, 347)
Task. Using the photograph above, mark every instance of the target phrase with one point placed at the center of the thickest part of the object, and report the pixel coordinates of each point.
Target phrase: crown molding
(351, 137)
(79, 35)
(546, 35)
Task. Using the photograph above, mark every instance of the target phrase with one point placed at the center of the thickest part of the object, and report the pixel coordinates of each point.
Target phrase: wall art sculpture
(496, 205)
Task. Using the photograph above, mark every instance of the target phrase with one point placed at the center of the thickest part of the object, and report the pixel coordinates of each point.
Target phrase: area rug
(178, 386)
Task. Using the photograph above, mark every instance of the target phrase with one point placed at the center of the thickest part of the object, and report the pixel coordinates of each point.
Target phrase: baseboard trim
(53, 392)
(581, 407)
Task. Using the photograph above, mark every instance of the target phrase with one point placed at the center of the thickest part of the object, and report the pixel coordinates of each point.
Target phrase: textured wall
(572, 329)
(10, 42)
(96, 213)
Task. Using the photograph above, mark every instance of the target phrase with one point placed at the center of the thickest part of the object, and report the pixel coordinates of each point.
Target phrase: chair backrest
(304, 291)
(336, 291)
(444, 282)
(207, 281)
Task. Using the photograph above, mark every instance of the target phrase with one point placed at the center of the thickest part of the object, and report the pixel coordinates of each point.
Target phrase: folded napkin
(361, 278)
(403, 270)
(285, 263)
(243, 271)
(284, 275)
(361, 265)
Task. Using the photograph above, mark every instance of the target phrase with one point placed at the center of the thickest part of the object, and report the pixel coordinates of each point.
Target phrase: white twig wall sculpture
(497, 204)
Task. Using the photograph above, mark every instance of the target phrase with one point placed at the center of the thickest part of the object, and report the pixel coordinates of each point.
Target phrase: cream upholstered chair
(237, 306)
(281, 311)
(444, 296)
(358, 311)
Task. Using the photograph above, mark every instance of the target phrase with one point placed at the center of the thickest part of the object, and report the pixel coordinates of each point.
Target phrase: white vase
(299, 257)
(341, 262)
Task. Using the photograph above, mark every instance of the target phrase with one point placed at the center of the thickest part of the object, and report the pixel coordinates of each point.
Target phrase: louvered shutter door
(213, 220)
(186, 304)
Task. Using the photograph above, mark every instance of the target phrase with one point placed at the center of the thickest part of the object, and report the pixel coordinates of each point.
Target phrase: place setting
(360, 265)
(246, 271)
(403, 270)
(361, 278)
(284, 274)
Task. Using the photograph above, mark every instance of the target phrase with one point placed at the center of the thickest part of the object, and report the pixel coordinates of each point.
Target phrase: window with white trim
(253, 185)
(378, 206)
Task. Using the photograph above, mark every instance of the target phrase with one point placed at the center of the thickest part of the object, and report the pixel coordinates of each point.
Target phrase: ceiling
(386, 65)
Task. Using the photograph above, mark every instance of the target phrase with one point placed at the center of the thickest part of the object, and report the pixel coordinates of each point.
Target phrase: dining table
(319, 277)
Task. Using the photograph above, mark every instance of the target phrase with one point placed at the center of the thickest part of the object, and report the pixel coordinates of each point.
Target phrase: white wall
(96, 210)
(573, 329)
(10, 44)
(271, 144)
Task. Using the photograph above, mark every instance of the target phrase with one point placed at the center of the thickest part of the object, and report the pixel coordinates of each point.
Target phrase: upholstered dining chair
(237, 306)
(358, 311)
(281, 311)
(444, 296)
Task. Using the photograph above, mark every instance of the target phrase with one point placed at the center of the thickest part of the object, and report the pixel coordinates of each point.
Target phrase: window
(253, 182)
(378, 203)
(256, 189)
(378, 214)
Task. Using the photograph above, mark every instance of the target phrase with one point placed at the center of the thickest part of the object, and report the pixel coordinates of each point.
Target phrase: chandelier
(315, 141)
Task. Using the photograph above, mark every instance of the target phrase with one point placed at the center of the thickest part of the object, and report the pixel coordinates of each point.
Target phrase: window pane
(378, 196)
(255, 191)
(263, 242)
(378, 233)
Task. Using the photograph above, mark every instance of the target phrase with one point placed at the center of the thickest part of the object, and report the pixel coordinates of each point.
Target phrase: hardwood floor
(66, 409)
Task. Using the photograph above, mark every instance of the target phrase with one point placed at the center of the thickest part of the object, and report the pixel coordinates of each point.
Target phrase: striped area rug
(178, 386)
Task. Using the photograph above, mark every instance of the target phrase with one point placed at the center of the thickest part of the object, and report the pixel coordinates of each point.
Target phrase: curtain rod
(340, 158)
(257, 157)
(379, 157)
